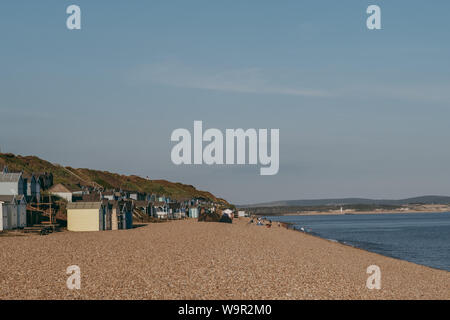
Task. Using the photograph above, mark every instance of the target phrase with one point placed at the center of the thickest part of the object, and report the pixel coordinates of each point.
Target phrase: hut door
(5, 218)
(9, 217)
(120, 221)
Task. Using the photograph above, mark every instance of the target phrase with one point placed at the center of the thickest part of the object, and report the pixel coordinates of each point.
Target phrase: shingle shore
(198, 260)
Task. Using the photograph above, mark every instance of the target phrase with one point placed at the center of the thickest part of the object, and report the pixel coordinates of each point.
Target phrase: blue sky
(361, 113)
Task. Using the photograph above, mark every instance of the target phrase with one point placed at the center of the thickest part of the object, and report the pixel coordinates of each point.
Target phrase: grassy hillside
(95, 178)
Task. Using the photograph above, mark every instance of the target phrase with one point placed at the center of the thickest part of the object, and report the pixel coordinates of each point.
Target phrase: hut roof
(84, 205)
(11, 198)
(158, 204)
(10, 177)
(63, 188)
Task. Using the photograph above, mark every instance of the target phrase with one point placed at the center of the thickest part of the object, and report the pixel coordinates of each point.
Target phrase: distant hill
(353, 201)
(106, 180)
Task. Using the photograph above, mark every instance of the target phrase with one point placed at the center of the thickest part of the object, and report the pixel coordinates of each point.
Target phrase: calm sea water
(422, 238)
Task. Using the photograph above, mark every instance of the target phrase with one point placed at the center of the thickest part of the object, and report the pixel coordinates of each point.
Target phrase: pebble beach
(203, 260)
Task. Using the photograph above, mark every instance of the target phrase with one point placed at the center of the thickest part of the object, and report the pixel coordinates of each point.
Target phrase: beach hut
(12, 183)
(116, 218)
(32, 184)
(127, 214)
(107, 216)
(88, 216)
(175, 210)
(228, 212)
(3, 217)
(159, 210)
(13, 212)
(21, 206)
(7, 215)
(193, 212)
(121, 215)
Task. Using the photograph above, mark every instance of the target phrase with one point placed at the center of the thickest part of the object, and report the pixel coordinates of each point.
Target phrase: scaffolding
(38, 210)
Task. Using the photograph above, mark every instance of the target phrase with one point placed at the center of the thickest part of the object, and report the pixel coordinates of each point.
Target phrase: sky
(361, 113)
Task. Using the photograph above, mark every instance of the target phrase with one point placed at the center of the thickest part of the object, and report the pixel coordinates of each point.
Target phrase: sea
(422, 238)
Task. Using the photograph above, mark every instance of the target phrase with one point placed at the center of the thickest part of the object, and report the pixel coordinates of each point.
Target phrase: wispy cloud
(246, 80)
(261, 81)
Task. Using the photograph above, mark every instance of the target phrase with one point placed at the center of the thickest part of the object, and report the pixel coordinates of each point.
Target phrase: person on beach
(259, 223)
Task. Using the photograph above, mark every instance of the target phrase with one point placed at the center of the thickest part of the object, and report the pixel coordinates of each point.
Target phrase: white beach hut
(13, 212)
(193, 212)
(3, 217)
(21, 207)
(228, 212)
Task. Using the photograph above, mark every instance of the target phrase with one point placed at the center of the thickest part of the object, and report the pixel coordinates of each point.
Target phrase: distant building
(137, 196)
(91, 197)
(143, 206)
(133, 196)
(176, 211)
(65, 192)
(109, 195)
(159, 210)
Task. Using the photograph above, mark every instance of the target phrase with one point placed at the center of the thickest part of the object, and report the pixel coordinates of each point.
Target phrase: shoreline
(332, 213)
(205, 260)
